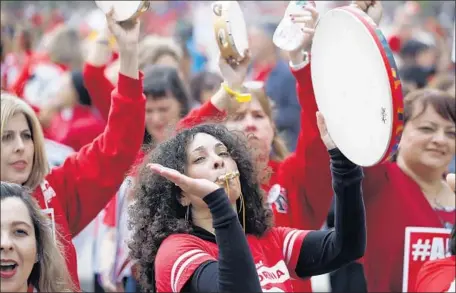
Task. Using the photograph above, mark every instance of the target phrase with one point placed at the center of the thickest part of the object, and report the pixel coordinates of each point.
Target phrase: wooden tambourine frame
(224, 31)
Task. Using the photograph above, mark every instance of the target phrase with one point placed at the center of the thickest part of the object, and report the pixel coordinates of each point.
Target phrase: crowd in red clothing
(114, 102)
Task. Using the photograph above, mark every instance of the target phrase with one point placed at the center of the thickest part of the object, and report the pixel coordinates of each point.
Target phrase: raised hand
(308, 18)
(309, 23)
(195, 187)
(234, 74)
(126, 33)
(324, 134)
(372, 8)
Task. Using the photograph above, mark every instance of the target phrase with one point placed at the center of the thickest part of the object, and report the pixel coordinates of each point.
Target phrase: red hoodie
(75, 192)
(393, 202)
(75, 127)
(437, 275)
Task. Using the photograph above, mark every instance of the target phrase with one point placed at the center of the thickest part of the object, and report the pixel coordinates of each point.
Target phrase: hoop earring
(241, 203)
(187, 213)
(242, 207)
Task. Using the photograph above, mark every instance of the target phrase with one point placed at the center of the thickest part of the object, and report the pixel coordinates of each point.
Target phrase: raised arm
(312, 174)
(310, 253)
(325, 251)
(88, 179)
(97, 84)
(215, 110)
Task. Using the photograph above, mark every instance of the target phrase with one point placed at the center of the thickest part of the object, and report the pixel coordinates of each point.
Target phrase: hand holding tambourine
(127, 36)
(234, 74)
(123, 20)
(230, 30)
(372, 8)
(324, 134)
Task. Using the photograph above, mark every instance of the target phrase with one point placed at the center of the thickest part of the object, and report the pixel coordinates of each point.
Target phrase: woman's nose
(5, 242)
(218, 163)
(19, 145)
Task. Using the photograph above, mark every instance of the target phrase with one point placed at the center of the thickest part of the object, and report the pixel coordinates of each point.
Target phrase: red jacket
(81, 128)
(437, 275)
(82, 186)
(393, 201)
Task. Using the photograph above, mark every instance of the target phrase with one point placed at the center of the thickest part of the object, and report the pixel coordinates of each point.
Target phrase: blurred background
(188, 21)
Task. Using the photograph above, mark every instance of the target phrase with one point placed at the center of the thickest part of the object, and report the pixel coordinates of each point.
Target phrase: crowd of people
(192, 191)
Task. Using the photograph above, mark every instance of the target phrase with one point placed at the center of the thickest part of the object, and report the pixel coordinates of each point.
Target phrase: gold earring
(242, 207)
(187, 213)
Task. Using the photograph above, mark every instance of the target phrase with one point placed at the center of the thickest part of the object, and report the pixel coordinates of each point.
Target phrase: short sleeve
(290, 241)
(177, 259)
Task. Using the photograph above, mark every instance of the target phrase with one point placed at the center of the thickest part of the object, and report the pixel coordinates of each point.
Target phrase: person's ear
(184, 200)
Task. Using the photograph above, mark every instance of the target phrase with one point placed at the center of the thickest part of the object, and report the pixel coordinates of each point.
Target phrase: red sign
(422, 244)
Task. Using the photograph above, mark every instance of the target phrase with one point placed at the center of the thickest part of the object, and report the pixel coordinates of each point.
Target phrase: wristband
(240, 97)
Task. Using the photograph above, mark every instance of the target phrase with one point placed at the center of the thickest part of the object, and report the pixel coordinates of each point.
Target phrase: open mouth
(8, 267)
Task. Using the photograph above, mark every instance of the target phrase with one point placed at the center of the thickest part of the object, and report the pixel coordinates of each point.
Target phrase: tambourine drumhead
(230, 29)
(356, 86)
(123, 10)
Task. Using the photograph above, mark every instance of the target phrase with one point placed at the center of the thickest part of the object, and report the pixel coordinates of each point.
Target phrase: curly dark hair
(157, 212)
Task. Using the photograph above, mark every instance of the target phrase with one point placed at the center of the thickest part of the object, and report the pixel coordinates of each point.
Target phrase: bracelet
(305, 61)
(240, 97)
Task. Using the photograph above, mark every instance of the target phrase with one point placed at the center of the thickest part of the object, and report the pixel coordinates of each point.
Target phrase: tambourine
(357, 86)
(124, 10)
(230, 30)
(288, 35)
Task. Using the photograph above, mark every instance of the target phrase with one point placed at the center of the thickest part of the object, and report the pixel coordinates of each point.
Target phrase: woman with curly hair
(200, 223)
(31, 256)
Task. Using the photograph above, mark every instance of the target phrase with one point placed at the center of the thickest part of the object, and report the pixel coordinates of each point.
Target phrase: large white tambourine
(288, 35)
(123, 10)
(230, 30)
(357, 87)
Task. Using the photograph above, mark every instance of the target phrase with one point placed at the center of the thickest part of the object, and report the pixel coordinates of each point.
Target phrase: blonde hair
(279, 148)
(65, 47)
(50, 273)
(153, 47)
(12, 105)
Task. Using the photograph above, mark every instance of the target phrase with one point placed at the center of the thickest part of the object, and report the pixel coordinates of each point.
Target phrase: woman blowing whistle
(200, 223)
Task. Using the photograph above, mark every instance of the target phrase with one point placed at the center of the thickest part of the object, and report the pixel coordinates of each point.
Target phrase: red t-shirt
(437, 275)
(275, 254)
